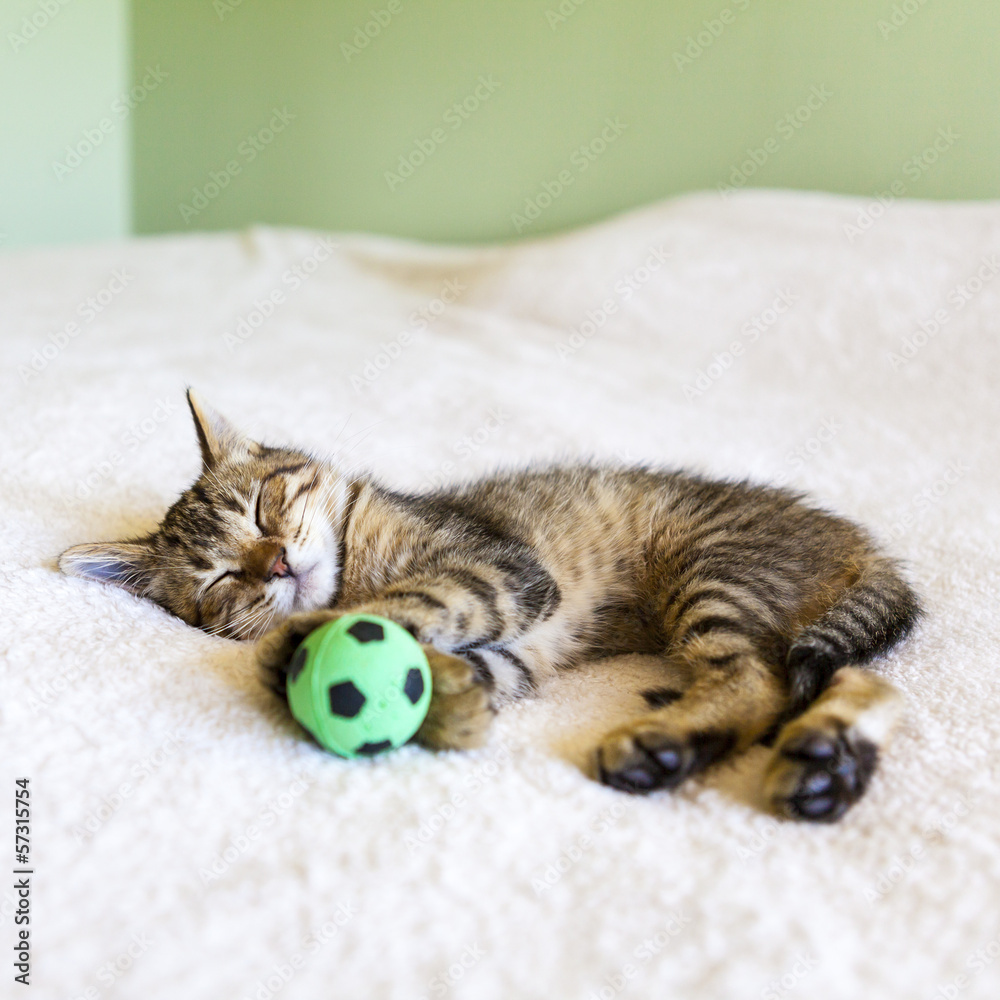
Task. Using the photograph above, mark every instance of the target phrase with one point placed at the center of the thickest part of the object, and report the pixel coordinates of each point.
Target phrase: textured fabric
(189, 842)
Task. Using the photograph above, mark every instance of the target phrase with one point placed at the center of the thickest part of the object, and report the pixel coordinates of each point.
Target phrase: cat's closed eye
(223, 576)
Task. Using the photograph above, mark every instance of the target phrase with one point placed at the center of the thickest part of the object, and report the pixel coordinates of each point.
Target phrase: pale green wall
(232, 63)
(229, 63)
(56, 86)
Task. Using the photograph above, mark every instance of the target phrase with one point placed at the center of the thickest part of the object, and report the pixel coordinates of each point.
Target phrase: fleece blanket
(186, 839)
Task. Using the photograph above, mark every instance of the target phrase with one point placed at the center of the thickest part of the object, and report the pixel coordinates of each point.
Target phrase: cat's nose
(266, 560)
(280, 567)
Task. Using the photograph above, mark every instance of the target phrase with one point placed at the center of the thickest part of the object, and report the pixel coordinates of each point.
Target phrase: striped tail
(869, 618)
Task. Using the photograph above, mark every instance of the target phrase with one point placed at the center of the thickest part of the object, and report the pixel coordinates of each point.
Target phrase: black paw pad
(664, 762)
(641, 778)
(834, 772)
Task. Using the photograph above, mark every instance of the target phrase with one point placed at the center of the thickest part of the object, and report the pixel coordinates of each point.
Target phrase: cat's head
(249, 543)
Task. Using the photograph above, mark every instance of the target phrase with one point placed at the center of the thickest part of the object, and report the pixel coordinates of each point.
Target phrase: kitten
(760, 605)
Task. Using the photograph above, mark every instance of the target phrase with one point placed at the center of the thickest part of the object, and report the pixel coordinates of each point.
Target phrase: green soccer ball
(360, 685)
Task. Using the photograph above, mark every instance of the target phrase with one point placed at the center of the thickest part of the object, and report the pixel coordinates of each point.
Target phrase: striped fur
(755, 597)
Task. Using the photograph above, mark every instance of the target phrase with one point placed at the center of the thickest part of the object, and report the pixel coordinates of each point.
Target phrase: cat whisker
(232, 623)
(248, 623)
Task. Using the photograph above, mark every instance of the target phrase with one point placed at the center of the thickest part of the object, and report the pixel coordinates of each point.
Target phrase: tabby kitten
(760, 605)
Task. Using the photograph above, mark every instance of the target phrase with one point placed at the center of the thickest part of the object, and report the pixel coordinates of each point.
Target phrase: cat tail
(868, 618)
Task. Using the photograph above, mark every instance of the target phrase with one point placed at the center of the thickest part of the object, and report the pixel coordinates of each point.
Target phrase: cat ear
(217, 437)
(125, 564)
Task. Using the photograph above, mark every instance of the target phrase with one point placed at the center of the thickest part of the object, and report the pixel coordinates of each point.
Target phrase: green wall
(63, 66)
(891, 92)
(701, 91)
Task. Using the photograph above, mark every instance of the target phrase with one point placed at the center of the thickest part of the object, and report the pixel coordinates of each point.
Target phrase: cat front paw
(460, 712)
(275, 648)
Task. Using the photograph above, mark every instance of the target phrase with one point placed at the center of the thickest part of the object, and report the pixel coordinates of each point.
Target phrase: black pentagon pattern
(414, 686)
(370, 749)
(298, 662)
(367, 631)
(345, 699)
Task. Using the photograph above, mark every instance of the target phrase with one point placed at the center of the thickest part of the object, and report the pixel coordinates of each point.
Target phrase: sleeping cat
(760, 605)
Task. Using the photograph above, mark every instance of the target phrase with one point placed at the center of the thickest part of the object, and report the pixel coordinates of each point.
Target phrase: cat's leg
(824, 758)
(452, 610)
(733, 698)
(460, 712)
(476, 610)
(465, 615)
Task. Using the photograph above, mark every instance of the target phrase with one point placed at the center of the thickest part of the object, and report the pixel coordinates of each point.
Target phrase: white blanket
(189, 842)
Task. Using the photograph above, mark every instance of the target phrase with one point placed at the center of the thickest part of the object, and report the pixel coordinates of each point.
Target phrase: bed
(188, 841)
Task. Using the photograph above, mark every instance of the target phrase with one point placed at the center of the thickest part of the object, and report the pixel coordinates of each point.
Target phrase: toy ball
(359, 685)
